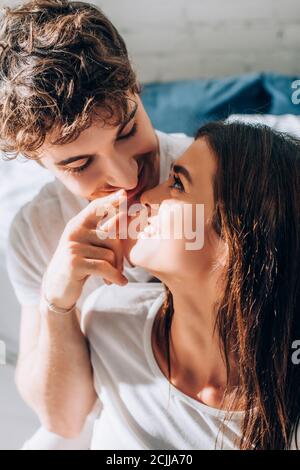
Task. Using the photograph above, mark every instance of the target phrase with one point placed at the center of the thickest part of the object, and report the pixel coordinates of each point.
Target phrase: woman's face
(105, 159)
(181, 207)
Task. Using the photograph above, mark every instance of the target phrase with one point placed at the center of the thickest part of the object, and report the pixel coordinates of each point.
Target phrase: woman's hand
(81, 252)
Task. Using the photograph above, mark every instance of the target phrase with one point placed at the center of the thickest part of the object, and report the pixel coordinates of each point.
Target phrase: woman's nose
(152, 199)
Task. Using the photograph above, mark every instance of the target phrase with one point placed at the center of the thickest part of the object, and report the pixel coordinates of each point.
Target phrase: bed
(173, 107)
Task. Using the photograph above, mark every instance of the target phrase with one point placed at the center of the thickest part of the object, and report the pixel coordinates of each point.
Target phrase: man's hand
(81, 253)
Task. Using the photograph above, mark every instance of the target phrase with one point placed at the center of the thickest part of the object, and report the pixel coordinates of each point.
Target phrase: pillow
(185, 105)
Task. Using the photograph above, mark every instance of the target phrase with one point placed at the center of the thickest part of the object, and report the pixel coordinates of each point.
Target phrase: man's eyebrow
(128, 119)
(73, 159)
(182, 170)
(80, 157)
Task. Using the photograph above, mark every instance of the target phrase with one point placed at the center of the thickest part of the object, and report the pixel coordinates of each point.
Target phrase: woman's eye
(130, 134)
(177, 184)
(78, 169)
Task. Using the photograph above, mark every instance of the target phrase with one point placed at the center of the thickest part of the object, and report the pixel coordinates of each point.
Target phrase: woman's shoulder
(115, 321)
(121, 308)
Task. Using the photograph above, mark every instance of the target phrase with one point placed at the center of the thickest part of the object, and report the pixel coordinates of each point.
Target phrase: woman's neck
(197, 365)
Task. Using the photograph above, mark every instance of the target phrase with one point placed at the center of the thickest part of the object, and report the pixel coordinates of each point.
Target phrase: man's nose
(122, 172)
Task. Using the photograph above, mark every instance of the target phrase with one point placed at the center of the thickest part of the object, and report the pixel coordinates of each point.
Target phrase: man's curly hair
(62, 65)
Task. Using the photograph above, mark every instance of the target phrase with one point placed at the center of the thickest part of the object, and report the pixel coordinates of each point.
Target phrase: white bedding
(286, 123)
(19, 182)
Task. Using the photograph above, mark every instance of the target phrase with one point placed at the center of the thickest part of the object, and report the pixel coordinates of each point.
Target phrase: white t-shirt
(139, 409)
(135, 410)
(39, 224)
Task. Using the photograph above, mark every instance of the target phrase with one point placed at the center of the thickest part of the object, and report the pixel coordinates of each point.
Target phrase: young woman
(220, 340)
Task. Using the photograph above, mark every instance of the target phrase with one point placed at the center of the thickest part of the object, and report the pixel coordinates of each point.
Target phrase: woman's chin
(144, 254)
(138, 255)
(147, 256)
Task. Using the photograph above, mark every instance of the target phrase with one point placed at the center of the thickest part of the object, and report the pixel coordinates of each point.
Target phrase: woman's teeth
(149, 229)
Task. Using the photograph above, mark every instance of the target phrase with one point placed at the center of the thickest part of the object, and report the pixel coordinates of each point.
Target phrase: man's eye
(177, 184)
(78, 169)
(131, 133)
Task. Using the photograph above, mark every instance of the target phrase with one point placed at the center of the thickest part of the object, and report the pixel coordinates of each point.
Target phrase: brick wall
(177, 39)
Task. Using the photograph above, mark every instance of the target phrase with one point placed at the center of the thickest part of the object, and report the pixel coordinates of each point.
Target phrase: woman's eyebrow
(183, 171)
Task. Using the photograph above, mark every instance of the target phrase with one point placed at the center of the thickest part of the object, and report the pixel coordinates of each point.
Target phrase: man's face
(105, 159)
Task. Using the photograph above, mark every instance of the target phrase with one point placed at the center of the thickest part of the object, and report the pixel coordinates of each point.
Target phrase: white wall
(176, 39)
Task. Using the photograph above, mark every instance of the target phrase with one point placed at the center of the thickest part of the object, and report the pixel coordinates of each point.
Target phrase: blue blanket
(183, 106)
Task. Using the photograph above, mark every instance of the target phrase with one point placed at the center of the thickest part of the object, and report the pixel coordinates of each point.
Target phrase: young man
(70, 99)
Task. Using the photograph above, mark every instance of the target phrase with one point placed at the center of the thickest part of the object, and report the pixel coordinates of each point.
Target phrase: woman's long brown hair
(257, 200)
